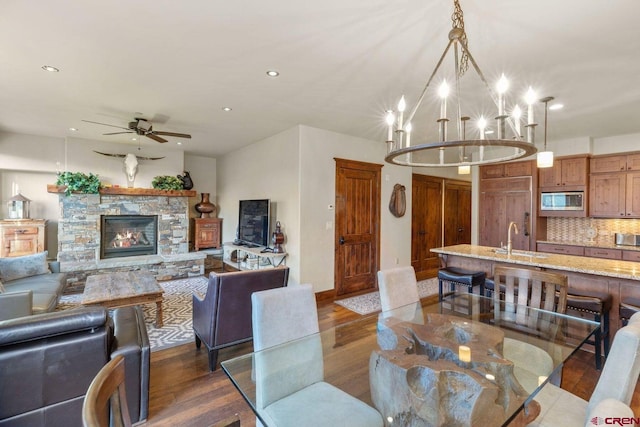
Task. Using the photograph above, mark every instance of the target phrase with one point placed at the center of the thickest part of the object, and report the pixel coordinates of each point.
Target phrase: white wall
(268, 169)
(31, 162)
(318, 150)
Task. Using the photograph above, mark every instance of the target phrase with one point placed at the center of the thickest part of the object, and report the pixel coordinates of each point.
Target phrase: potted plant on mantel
(167, 182)
(78, 182)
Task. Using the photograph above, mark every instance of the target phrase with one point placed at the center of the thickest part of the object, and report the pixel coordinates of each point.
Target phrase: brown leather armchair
(222, 317)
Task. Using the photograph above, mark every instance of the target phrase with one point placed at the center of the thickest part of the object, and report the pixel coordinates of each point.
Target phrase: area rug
(176, 312)
(370, 303)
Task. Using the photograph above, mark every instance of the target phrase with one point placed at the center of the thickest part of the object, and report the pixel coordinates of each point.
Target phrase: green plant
(79, 182)
(166, 182)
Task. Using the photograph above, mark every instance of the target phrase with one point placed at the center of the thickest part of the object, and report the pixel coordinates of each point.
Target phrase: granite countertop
(579, 264)
(591, 245)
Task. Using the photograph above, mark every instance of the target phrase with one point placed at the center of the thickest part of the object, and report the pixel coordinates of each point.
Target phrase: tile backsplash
(577, 229)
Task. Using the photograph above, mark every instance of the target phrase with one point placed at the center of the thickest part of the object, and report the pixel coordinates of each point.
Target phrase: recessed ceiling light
(556, 106)
(73, 129)
(134, 139)
(227, 108)
(179, 143)
(50, 68)
(273, 73)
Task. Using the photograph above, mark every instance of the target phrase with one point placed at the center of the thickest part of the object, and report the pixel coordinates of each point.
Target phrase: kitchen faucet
(509, 243)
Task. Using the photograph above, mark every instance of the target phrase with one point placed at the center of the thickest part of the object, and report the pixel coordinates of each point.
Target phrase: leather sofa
(44, 280)
(222, 317)
(47, 362)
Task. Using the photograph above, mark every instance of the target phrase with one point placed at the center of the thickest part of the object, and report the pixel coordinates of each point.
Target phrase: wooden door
(357, 238)
(457, 213)
(426, 224)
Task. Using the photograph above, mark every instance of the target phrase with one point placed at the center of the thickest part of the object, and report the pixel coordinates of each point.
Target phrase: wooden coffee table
(124, 289)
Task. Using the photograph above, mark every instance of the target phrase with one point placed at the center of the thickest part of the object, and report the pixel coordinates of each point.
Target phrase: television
(253, 222)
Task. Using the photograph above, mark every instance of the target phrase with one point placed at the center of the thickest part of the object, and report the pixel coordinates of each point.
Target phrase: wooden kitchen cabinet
(502, 201)
(617, 163)
(608, 253)
(615, 195)
(505, 170)
(22, 237)
(567, 172)
(561, 249)
(631, 256)
(207, 233)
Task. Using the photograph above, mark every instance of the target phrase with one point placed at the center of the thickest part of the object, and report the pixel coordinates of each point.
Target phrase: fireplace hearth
(128, 235)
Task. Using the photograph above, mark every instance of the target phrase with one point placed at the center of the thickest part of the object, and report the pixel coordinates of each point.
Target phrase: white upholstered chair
(613, 392)
(399, 293)
(398, 287)
(290, 387)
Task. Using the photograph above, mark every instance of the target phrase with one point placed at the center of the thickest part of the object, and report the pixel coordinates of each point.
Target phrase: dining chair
(520, 290)
(398, 287)
(611, 396)
(290, 386)
(107, 395)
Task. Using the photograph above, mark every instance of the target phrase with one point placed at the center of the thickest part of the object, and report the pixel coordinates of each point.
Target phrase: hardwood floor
(183, 392)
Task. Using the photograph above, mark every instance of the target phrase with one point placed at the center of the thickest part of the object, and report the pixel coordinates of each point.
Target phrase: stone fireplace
(85, 240)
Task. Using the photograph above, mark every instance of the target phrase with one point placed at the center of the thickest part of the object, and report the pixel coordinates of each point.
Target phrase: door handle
(341, 241)
(526, 224)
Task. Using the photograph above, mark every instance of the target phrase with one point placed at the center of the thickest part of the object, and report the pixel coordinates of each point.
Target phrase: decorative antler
(122, 156)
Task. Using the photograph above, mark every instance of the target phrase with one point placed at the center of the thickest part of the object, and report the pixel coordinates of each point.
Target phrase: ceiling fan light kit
(460, 151)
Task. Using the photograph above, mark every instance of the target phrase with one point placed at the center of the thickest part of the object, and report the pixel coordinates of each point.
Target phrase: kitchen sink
(517, 252)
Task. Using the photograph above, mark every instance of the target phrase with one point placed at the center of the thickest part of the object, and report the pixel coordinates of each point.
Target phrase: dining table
(464, 360)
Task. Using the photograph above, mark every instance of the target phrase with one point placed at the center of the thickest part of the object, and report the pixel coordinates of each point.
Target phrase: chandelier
(471, 145)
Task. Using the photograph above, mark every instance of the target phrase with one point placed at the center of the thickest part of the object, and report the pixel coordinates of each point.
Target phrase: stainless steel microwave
(562, 201)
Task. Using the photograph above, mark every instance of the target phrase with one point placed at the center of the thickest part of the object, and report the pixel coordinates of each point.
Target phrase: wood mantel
(52, 188)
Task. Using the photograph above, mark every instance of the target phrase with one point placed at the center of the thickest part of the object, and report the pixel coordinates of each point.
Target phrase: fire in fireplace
(128, 235)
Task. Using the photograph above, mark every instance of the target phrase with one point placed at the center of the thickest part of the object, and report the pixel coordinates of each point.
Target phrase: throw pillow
(23, 266)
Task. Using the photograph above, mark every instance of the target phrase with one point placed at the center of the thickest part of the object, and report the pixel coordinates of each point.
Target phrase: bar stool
(597, 304)
(628, 307)
(460, 277)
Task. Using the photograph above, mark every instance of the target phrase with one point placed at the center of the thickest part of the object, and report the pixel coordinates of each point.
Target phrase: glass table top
(462, 358)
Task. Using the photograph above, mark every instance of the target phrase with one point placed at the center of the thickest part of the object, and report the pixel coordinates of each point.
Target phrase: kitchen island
(619, 278)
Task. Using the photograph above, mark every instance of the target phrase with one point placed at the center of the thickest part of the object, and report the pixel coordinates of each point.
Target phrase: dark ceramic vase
(205, 207)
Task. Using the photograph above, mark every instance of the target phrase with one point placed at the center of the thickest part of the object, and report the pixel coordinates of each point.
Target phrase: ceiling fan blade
(104, 124)
(178, 135)
(116, 133)
(155, 138)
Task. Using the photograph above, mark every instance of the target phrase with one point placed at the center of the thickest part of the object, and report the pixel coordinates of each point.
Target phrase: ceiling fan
(142, 127)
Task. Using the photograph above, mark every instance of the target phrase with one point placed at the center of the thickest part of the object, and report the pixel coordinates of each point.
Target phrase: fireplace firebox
(128, 235)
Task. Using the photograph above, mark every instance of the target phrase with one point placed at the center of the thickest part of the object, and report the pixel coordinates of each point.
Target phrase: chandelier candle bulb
(464, 353)
(408, 131)
(444, 93)
(530, 98)
(482, 124)
(390, 120)
(517, 114)
(401, 107)
(502, 86)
